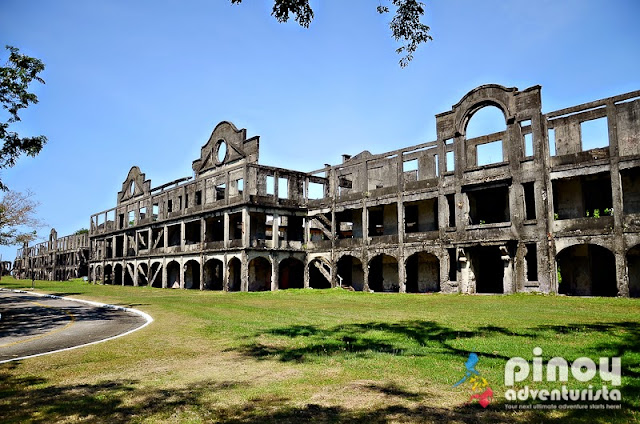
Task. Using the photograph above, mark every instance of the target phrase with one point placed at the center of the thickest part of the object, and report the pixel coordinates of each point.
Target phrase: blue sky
(145, 82)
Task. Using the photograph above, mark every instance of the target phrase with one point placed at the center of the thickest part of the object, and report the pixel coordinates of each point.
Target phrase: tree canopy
(17, 213)
(405, 25)
(15, 77)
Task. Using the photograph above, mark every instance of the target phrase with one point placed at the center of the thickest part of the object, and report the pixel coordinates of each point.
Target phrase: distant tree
(17, 218)
(15, 76)
(81, 231)
(405, 25)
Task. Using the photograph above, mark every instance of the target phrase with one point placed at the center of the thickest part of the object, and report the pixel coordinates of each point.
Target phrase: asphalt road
(31, 325)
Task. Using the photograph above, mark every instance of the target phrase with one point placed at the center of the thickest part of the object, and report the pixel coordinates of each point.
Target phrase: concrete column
(365, 271)
(244, 272)
(306, 273)
(181, 268)
(507, 279)
(135, 273)
(402, 274)
(274, 272)
(275, 231)
(164, 269)
(182, 235)
(246, 228)
(165, 236)
(226, 230)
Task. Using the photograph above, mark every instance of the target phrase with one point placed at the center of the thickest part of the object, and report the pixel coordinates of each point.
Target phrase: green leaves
(15, 77)
(405, 25)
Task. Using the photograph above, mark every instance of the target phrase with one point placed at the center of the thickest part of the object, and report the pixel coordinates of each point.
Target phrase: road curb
(148, 320)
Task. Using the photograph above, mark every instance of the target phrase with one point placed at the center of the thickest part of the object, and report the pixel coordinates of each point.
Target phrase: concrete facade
(547, 214)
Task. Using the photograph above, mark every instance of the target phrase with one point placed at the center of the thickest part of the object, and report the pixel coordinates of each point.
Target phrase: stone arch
(383, 273)
(97, 276)
(212, 274)
(259, 274)
(291, 274)
(234, 269)
(319, 274)
(173, 275)
(192, 275)
(350, 272)
(586, 270)
(633, 270)
(423, 273)
(143, 274)
(128, 277)
(117, 274)
(108, 274)
(155, 275)
(475, 115)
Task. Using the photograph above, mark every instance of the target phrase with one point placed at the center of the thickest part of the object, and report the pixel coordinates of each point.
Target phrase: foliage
(81, 231)
(15, 77)
(17, 211)
(405, 24)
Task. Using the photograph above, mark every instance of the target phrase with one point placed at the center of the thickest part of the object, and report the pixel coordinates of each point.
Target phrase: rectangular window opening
(594, 134)
(271, 185)
(532, 262)
(451, 162)
(452, 209)
(283, 188)
(155, 210)
(552, 141)
(489, 153)
(453, 265)
(529, 200)
(528, 145)
(198, 198)
(410, 165)
(169, 205)
(131, 219)
(316, 191)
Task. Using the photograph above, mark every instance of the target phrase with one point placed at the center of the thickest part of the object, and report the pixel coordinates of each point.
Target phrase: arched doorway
(319, 275)
(259, 274)
(155, 276)
(423, 273)
(291, 274)
(143, 274)
(633, 266)
(192, 275)
(108, 274)
(383, 274)
(235, 277)
(212, 274)
(350, 272)
(117, 275)
(587, 270)
(173, 275)
(128, 274)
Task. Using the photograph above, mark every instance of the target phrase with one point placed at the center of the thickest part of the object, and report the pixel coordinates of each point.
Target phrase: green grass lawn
(317, 355)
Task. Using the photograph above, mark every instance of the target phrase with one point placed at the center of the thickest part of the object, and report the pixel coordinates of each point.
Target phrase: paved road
(33, 325)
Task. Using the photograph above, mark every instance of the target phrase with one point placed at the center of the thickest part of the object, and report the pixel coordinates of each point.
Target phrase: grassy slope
(323, 355)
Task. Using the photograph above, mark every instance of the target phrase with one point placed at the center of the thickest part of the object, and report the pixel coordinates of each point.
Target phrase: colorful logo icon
(479, 386)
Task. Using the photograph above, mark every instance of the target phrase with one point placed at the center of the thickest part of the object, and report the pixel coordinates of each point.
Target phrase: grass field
(317, 355)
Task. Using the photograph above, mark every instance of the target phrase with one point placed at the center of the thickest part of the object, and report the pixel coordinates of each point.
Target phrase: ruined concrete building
(57, 259)
(549, 213)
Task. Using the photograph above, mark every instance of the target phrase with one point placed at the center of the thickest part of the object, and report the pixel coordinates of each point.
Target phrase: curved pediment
(226, 145)
(134, 185)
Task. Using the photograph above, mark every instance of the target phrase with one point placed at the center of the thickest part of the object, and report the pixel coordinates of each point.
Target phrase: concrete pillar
(244, 272)
(402, 274)
(135, 274)
(226, 230)
(365, 271)
(246, 228)
(165, 277)
(507, 279)
(306, 273)
(274, 272)
(275, 231)
(182, 235)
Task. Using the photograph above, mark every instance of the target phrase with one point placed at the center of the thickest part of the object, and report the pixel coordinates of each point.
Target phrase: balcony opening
(349, 223)
(383, 220)
(488, 203)
(631, 190)
(192, 233)
(214, 229)
(583, 196)
(174, 235)
(421, 216)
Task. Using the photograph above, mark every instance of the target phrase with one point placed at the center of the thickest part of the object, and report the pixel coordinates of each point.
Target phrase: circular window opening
(221, 151)
(132, 187)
